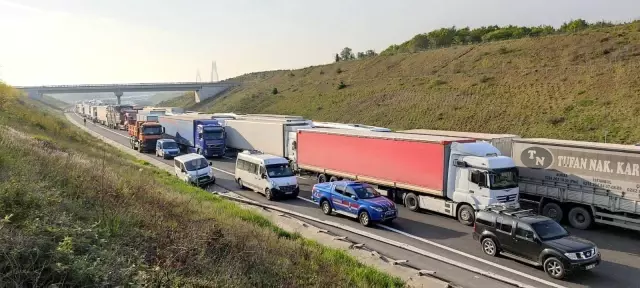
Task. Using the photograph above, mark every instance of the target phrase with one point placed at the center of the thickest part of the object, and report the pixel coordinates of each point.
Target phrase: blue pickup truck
(354, 199)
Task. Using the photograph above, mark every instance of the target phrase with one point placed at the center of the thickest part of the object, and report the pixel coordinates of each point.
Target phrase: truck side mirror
(354, 197)
(163, 130)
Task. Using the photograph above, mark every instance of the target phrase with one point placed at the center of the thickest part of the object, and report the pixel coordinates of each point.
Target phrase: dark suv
(533, 239)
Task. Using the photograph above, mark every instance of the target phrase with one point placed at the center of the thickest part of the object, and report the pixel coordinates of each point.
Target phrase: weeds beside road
(77, 212)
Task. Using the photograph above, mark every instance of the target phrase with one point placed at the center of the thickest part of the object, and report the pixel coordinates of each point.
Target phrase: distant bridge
(203, 90)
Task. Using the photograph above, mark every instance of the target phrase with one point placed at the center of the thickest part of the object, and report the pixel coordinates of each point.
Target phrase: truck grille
(507, 198)
(288, 188)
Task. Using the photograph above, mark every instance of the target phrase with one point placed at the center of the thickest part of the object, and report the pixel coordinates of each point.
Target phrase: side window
(486, 219)
(523, 231)
(253, 168)
(349, 191)
(240, 165)
(262, 170)
(505, 225)
(340, 190)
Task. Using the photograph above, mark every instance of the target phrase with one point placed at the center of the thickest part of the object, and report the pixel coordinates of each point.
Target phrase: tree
(337, 57)
(574, 25)
(361, 55)
(370, 53)
(346, 54)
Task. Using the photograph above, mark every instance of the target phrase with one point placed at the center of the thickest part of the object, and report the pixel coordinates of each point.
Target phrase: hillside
(76, 212)
(568, 86)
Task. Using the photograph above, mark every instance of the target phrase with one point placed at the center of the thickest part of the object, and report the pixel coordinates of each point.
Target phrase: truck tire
(333, 179)
(411, 202)
(466, 215)
(553, 211)
(322, 178)
(580, 218)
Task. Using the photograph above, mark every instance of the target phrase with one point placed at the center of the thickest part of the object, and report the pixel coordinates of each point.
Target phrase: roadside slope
(76, 212)
(570, 86)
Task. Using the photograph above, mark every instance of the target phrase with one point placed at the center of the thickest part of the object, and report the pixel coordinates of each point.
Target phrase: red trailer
(413, 162)
(449, 175)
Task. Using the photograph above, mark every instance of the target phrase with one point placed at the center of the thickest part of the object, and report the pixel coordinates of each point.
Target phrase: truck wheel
(333, 179)
(268, 195)
(553, 211)
(554, 268)
(580, 218)
(322, 178)
(466, 215)
(411, 202)
(326, 207)
(364, 218)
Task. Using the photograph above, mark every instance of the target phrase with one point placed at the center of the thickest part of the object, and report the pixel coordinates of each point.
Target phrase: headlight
(273, 184)
(572, 256)
(210, 172)
(377, 209)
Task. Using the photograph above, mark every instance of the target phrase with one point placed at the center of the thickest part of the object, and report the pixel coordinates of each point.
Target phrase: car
(267, 174)
(194, 169)
(354, 199)
(167, 148)
(533, 239)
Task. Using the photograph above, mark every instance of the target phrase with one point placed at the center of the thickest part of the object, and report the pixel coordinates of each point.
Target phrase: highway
(445, 236)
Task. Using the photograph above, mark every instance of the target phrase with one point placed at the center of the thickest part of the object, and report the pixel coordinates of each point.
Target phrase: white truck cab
(267, 174)
(483, 176)
(194, 169)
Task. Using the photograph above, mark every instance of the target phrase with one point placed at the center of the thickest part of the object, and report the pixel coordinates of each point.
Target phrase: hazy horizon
(77, 42)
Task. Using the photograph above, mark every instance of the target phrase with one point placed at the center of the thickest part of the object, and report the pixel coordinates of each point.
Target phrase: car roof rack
(510, 211)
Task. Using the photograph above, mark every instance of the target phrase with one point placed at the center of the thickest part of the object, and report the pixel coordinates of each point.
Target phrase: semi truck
(563, 180)
(193, 133)
(270, 136)
(449, 175)
(143, 135)
(116, 116)
(101, 114)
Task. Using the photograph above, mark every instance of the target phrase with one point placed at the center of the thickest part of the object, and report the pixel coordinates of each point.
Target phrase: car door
(524, 242)
(337, 199)
(504, 233)
(177, 169)
(349, 194)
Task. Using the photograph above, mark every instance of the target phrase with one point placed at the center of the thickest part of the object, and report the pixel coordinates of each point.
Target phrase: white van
(194, 169)
(267, 174)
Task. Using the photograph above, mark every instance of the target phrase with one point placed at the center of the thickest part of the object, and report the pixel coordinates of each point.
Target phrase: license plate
(290, 192)
(589, 267)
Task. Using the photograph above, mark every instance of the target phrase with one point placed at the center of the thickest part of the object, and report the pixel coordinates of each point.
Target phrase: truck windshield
(279, 170)
(549, 230)
(152, 130)
(213, 135)
(363, 191)
(196, 164)
(503, 179)
(169, 145)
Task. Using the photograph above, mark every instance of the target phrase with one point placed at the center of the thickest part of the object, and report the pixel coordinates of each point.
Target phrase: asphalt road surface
(447, 237)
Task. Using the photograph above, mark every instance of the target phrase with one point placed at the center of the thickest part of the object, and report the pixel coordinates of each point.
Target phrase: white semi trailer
(582, 182)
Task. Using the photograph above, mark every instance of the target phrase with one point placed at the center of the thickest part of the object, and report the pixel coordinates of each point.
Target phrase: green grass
(77, 212)
(523, 87)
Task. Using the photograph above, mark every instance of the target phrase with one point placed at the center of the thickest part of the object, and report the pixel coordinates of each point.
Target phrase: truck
(192, 133)
(561, 190)
(583, 182)
(143, 135)
(130, 117)
(101, 114)
(449, 175)
(116, 116)
(270, 136)
(141, 116)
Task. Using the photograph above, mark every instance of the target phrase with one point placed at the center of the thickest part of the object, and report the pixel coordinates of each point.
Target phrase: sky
(48, 42)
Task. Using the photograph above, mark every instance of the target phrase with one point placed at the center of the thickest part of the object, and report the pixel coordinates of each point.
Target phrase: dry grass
(572, 86)
(78, 213)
